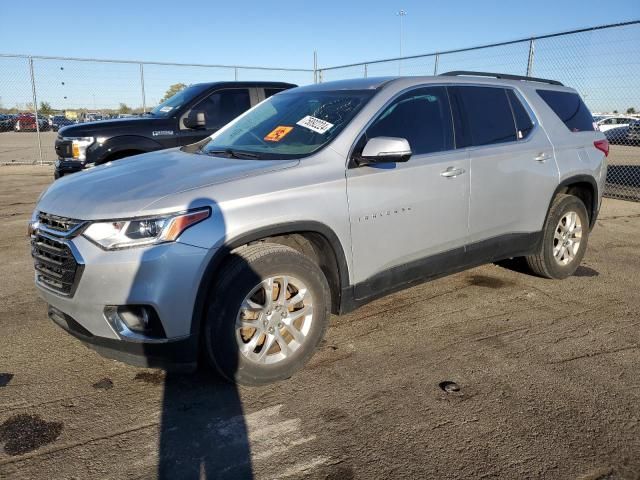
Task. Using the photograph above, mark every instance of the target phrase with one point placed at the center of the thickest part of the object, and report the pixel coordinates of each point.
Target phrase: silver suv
(316, 201)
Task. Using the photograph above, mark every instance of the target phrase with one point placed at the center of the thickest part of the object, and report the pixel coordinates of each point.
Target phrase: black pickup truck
(189, 116)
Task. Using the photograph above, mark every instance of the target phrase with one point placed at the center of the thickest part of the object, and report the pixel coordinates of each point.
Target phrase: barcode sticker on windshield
(166, 109)
(316, 124)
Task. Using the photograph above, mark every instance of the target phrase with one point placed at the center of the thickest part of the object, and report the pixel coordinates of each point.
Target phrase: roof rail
(505, 76)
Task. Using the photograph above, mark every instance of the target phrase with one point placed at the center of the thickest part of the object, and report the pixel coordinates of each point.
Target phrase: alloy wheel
(274, 319)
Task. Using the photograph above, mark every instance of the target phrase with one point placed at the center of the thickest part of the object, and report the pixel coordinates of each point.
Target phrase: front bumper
(65, 167)
(179, 355)
(165, 277)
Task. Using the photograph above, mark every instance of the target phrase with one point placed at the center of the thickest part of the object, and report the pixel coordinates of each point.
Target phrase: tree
(631, 110)
(173, 89)
(615, 111)
(124, 108)
(45, 108)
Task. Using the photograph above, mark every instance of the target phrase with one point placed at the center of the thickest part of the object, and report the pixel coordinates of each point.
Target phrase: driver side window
(422, 116)
(223, 106)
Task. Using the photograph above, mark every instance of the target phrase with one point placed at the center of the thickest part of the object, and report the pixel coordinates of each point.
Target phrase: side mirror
(385, 150)
(195, 119)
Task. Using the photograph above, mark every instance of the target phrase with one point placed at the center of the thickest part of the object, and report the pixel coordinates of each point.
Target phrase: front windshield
(291, 124)
(169, 106)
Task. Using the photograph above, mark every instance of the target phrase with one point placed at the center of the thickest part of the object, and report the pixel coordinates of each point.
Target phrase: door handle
(452, 172)
(542, 157)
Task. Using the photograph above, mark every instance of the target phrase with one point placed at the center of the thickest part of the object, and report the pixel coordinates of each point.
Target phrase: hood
(103, 126)
(125, 187)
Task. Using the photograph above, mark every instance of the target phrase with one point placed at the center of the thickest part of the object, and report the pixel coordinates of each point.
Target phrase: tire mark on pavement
(594, 354)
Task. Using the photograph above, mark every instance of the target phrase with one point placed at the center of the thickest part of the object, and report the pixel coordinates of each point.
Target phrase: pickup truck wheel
(565, 236)
(269, 310)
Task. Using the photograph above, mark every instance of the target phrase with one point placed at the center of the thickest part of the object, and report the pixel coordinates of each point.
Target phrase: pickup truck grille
(54, 262)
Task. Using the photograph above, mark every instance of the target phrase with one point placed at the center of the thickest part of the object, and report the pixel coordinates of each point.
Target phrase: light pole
(400, 14)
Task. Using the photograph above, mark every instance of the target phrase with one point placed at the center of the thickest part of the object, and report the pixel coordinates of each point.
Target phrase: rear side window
(524, 125)
(422, 116)
(482, 115)
(570, 108)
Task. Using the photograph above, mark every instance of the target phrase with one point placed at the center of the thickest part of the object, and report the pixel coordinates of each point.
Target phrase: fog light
(133, 320)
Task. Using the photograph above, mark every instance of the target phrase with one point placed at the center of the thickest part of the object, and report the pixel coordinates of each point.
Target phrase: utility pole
(401, 13)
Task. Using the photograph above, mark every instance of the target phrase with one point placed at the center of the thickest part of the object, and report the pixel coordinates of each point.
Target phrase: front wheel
(270, 308)
(564, 240)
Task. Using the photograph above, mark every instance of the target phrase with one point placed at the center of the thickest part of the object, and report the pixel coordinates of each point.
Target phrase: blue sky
(283, 33)
(286, 33)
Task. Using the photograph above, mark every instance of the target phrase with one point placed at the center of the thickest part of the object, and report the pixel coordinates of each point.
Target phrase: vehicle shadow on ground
(203, 432)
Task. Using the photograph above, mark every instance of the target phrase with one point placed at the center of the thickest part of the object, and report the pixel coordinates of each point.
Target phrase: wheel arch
(585, 188)
(313, 239)
(126, 143)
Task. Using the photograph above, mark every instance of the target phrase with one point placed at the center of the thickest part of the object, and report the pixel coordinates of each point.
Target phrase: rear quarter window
(570, 108)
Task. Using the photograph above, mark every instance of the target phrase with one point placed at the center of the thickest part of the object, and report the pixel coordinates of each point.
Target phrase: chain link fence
(602, 63)
(40, 94)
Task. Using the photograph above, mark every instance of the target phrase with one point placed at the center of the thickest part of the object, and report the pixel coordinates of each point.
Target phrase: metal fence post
(365, 70)
(35, 106)
(530, 59)
(144, 100)
(235, 74)
(315, 66)
(435, 64)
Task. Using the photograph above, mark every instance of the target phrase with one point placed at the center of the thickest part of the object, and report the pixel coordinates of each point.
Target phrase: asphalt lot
(549, 385)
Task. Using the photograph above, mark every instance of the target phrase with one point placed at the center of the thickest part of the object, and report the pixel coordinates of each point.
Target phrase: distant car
(7, 122)
(58, 121)
(618, 135)
(633, 135)
(608, 123)
(26, 122)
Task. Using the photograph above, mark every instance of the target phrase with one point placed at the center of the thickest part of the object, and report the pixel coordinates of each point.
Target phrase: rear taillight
(603, 146)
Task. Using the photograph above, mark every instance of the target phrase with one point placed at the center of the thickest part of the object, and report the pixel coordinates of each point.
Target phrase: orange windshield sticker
(278, 133)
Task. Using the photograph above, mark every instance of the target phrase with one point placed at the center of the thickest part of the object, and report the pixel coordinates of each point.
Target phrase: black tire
(543, 262)
(247, 267)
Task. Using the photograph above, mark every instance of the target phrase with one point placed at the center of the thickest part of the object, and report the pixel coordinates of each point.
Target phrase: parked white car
(608, 123)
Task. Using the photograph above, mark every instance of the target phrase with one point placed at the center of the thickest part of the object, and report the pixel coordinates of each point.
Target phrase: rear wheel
(269, 311)
(564, 241)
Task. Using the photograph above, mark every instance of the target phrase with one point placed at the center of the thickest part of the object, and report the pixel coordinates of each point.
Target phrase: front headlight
(142, 231)
(34, 222)
(79, 146)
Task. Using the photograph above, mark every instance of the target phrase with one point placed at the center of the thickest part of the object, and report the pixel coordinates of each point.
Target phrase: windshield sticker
(278, 133)
(315, 124)
(166, 109)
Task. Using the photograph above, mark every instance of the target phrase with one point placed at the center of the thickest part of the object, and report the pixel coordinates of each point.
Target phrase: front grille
(56, 267)
(56, 223)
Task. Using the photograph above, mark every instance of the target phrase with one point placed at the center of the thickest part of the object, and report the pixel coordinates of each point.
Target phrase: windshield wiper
(231, 153)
